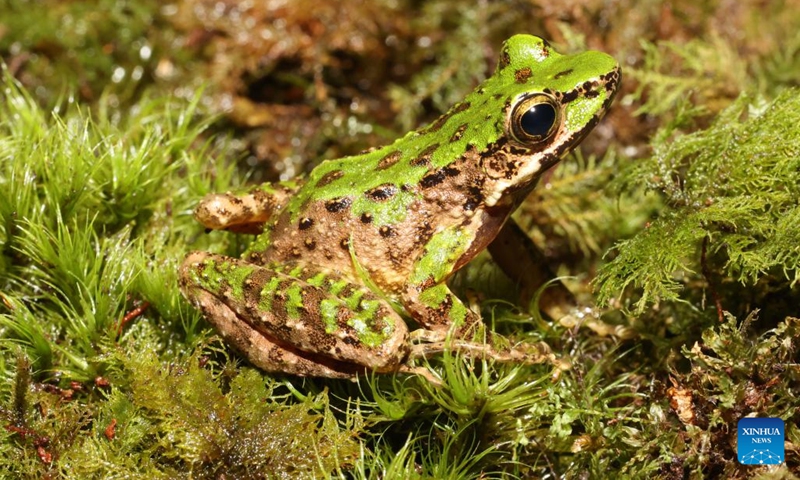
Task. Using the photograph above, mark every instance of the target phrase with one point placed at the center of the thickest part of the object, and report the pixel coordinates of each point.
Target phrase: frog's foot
(427, 342)
(589, 317)
(241, 213)
(296, 320)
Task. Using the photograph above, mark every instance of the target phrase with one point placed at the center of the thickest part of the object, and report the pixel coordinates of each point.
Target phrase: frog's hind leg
(263, 353)
(296, 319)
(243, 212)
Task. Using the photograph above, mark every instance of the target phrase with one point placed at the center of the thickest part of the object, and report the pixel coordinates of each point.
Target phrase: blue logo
(760, 441)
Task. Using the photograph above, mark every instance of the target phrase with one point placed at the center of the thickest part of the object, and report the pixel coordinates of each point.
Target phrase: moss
(731, 194)
(215, 425)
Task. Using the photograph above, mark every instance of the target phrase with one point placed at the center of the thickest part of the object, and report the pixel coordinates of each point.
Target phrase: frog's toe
(226, 211)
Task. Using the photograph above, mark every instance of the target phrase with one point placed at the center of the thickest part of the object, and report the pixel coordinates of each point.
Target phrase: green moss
(214, 425)
(731, 190)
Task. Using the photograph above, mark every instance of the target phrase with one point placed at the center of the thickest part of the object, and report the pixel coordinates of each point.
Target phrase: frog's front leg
(519, 258)
(515, 253)
(243, 212)
(438, 310)
(427, 297)
(296, 319)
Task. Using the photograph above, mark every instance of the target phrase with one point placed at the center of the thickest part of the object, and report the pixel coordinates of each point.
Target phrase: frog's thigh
(525, 264)
(241, 212)
(260, 351)
(316, 316)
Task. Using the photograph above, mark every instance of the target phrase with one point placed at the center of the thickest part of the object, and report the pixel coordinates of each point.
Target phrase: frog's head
(550, 102)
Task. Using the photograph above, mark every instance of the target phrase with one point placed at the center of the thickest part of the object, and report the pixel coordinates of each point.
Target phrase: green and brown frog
(364, 241)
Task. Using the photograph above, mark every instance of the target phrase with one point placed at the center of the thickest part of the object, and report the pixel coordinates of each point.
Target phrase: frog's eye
(534, 119)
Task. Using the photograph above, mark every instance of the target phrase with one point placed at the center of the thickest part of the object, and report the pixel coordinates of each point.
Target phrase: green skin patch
(364, 234)
(441, 253)
(267, 293)
(218, 276)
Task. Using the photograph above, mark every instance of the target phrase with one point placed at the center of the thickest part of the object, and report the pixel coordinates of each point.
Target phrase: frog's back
(386, 213)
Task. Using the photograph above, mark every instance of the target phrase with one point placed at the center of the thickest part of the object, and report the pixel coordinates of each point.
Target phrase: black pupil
(538, 120)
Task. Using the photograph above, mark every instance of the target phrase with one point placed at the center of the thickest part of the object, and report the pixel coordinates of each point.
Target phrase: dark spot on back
(424, 158)
(562, 74)
(459, 133)
(386, 231)
(591, 94)
(432, 179)
(366, 217)
(459, 107)
(329, 177)
(389, 160)
(345, 243)
(382, 192)
(305, 223)
(435, 178)
(523, 74)
(337, 204)
(310, 244)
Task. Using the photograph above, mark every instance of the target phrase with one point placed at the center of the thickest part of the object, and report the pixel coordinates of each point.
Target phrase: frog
(348, 273)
